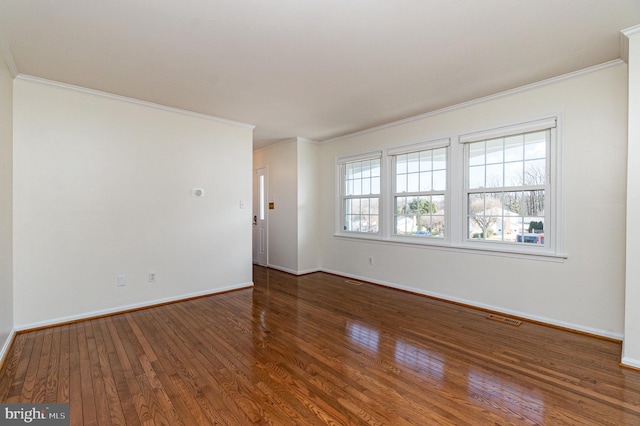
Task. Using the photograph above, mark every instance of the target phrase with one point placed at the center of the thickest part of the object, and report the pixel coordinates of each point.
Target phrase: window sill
(442, 245)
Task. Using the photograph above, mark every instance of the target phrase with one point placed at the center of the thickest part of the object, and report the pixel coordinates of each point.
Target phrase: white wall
(293, 185)
(586, 291)
(6, 205)
(103, 187)
(631, 348)
(281, 162)
(308, 206)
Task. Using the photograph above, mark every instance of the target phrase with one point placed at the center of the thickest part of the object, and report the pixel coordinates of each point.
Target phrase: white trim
(7, 345)
(630, 362)
(420, 146)
(506, 93)
(292, 271)
(531, 126)
(359, 157)
(625, 35)
(134, 306)
(631, 31)
(444, 245)
(473, 304)
(134, 101)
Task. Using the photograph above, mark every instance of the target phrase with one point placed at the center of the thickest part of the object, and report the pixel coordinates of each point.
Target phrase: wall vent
(510, 321)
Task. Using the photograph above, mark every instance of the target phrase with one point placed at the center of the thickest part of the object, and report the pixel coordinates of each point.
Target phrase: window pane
(405, 225)
(361, 215)
(533, 203)
(440, 159)
(440, 180)
(355, 206)
(476, 177)
(534, 172)
(366, 169)
(348, 170)
(357, 187)
(375, 185)
(535, 145)
(513, 148)
(375, 167)
(374, 206)
(349, 187)
(494, 176)
(366, 186)
(437, 226)
(413, 162)
(494, 151)
(425, 161)
(364, 206)
(357, 170)
(438, 204)
(485, 210)
(476, 154)
(413, 182)
(401, 205)
(425, 181)
(401, 163)
(513, 174)
(401, 183)
(261, 200)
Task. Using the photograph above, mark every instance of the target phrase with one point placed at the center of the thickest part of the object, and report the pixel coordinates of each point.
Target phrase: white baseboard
(7, 345)
(630, 362)
(549, 321)
(125, 308)
(292, 271)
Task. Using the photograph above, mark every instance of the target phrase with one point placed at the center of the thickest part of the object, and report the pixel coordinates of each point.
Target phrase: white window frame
(456, 221)
(553, 189)
(340, 181)
(392, 155)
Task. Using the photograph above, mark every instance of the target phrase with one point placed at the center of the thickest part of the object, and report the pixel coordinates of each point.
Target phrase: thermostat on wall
(198, 192)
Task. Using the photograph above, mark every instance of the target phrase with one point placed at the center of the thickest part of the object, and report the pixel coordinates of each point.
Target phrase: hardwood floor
(318, 350)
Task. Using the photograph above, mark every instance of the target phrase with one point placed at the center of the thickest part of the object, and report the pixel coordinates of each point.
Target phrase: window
(419, 191)
(507, 184)
(361, 195)
(497, 190)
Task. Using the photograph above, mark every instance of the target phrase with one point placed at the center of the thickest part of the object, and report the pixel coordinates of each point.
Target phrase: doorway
(260, 217)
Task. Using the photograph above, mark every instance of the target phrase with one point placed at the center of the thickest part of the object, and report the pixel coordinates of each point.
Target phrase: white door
(260, 242)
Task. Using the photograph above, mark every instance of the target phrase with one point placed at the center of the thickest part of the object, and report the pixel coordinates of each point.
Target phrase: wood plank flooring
(317, 350)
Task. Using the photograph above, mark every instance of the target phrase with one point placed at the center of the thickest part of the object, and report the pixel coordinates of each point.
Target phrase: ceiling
(314, 69)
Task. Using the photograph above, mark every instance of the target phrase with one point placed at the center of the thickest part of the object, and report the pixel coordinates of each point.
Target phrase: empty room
(348, 213)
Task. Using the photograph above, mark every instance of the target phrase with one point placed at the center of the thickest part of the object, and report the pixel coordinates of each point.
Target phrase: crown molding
(506, 93)
(72, 87)
(625, 35)
(631, 31)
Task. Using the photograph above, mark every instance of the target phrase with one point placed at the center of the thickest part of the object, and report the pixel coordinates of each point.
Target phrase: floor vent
(510, 321)
(353, 282)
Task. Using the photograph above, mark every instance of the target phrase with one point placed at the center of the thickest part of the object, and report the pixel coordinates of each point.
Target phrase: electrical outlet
(152, 277)
(370, 260)
(122, 280)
